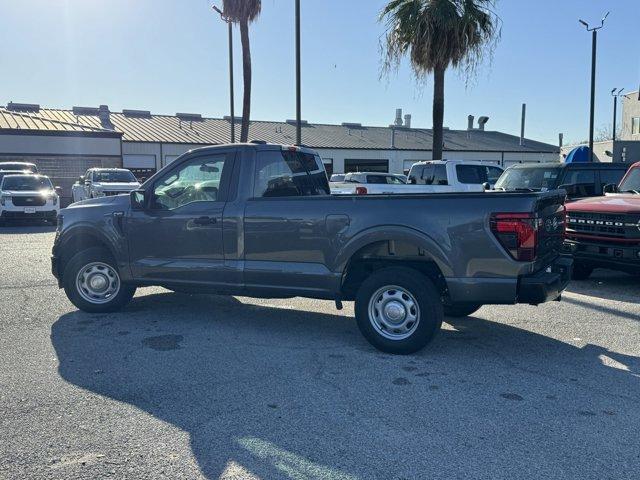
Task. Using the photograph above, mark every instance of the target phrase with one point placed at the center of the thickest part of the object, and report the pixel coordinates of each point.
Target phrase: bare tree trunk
(438, 113)
(246, 72)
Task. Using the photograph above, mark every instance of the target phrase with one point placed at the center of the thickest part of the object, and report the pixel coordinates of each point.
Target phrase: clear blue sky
(170, 56)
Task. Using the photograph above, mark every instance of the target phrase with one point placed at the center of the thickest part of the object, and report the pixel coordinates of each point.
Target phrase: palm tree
(438, 34)
(243, 12)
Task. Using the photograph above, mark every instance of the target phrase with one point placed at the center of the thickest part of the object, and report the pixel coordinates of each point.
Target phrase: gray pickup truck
(258, 220)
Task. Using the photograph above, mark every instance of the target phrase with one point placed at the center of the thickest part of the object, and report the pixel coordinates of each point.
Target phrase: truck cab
(579, 180)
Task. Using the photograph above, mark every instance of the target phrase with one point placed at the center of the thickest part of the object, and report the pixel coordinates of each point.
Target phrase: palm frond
(241, 10)
(436, 34)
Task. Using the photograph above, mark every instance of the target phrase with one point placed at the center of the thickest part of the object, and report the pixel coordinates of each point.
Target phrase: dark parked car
(258, 220)
(580, 180)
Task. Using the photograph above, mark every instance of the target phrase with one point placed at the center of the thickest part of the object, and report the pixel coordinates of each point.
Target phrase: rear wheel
(92, 282)
(460, 309)
(398, 310)
(581, 271)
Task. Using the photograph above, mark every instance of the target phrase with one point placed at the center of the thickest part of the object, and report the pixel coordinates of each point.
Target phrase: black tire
(460, 309)
(430, 313)
(581, 271)
(69, 279)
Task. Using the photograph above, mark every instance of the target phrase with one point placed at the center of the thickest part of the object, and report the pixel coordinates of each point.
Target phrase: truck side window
(289, 174)
(493, 174)
(440, 175)
(474, 174)
(611, 176)
(196, 180)
(585, 180)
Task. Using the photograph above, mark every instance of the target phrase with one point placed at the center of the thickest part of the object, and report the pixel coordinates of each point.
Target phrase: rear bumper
(617, 257)
(548, 284)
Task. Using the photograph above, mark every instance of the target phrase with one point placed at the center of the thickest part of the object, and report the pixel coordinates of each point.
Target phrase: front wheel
(92, 282)
(581, 271)
(398, 310)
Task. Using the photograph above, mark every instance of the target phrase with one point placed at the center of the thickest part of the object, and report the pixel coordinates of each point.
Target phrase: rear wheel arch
(410, 251)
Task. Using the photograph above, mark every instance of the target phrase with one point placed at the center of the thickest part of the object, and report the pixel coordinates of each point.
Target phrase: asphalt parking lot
(180, 386)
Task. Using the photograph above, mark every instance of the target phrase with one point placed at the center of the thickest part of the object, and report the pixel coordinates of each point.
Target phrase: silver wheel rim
(394, 312)
(98, 282)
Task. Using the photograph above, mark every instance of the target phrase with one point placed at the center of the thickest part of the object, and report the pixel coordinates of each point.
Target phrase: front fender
(103, 232)
(398, 233)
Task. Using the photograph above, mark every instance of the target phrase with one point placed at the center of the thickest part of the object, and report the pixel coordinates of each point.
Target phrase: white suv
(27, 196)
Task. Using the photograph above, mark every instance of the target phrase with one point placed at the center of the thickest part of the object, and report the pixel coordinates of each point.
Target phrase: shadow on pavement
(283, 393)
(609, 285)
(22, 228)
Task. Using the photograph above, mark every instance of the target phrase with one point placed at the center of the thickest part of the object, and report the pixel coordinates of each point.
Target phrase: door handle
(204, 221)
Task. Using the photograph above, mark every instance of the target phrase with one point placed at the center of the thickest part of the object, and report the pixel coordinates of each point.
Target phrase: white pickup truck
(437, 176)
(104, 182)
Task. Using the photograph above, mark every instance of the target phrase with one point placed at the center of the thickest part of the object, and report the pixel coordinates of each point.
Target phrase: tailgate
(551, 216)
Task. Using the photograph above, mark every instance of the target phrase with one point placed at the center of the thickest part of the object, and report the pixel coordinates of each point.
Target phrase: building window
(363, 165)
(328, 166)
(635, 125)
(142, 166)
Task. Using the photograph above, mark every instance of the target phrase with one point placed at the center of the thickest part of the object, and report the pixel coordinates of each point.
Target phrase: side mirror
(571, 189)
(138, 200)
(81, 179)
(486, 186)
(58, 190)
(610, 188)
(411, 180)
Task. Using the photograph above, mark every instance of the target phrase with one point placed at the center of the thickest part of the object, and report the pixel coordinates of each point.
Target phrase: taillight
(517, 233)
(361, 190)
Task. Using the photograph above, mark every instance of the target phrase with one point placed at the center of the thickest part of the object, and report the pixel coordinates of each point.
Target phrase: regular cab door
(289, 225)
(177, 236)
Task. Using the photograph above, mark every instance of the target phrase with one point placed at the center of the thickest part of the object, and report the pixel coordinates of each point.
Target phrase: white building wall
(59, 145)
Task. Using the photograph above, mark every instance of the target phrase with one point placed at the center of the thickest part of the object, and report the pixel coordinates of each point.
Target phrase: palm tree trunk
(246, 73)
(438, 113)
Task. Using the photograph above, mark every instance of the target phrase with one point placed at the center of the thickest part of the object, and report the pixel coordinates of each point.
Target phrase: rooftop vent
(398, 122)
(85, 110)
(23, 107)
(294, 122)
(407, 120)
(137, 113)
(351, 125)
(482, 121)
(189, 117)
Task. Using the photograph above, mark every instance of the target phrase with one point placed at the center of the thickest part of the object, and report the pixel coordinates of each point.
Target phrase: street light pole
(231, 94)
(298, 79)
(594, 46)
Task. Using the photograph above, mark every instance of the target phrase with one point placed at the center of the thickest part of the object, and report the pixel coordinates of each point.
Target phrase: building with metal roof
(145, 142)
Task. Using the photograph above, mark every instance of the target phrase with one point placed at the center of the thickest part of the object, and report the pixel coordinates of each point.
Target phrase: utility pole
(231, 94)
(615, 109)
(298, 79)
(594, 47)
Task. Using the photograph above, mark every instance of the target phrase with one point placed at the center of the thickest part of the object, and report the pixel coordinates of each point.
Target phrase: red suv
(605, 231)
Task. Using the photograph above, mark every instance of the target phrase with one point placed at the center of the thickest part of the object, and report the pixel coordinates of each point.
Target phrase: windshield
(631, 182)
(23, 183)
(542, 178)
(113, 176)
